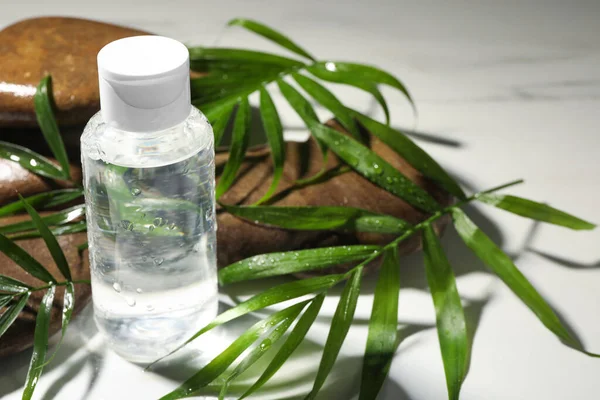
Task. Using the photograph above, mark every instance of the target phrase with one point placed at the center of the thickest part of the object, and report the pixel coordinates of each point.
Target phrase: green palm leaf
(274, 131)
(503, 266)
(12, 312)
(76, 227)
(49, 239)
(290, 262)
(340, 324)
(321, 218)
(8, 284)
(383, 327)
(537, 211)
(270, 34)
(232, 58)
(218, 365)
(241, 135)
(356, 81)
(45, 118)
(451, 324)
(412, 153)
(24, 260)
(67, 313)
(370, 165)
(40, 343)
(291, 344)
(59, 218)
(30, 160)
(257, 352)
(329, 101)
(269, 297)
(43, 200)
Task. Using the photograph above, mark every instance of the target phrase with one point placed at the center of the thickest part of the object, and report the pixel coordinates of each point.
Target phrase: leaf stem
(434, 217)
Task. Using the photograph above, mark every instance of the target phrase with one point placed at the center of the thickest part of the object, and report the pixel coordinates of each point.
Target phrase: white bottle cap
(144, 83)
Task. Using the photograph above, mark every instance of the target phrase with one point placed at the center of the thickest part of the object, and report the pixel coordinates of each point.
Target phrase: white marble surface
(514, 88)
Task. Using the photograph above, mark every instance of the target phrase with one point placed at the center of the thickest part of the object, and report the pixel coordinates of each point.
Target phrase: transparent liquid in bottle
(152, 234)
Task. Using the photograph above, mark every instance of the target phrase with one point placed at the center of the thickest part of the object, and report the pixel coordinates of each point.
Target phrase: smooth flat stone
(65, 48)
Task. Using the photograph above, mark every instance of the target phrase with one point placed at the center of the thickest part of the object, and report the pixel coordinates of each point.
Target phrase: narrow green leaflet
(270, 34)
(538, 211)
(291, 344)
(76, 227)
(67, 313)
(289, 262)
(8, 284)
(239, 145)
(367, 72)
(220, 123)
(24, 260)
(30, 160)
(503, 266)
(274, 132)
(239, 56)
(356, 81)
(43, 200)
(60, 218)
(383, 327)
(412, 153)
(330, 102)
(302, 107)
(370, 165)
(40, 343)
(274, 295)
(45, 118)
(5, 299)
(321, 218)
(340, 324)
(257, 352)
(12, 312)
(450, 317)
(49, 239)
(220, 363)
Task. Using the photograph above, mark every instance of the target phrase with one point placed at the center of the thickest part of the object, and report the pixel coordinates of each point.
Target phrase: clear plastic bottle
(148, 167)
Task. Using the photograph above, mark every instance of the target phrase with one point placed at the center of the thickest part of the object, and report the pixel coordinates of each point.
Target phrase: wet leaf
(370, 165)
(51, 243)
(383, 327)
(40, 343)
(291, 344)
(12, 312)
(412, 153)
(220, 363)
(8, 284)
(59, 218)
(340, 324)
(270, 34)
(47, 123)
(241, 136)
(450, 317)
(533, 210)
(43, 200)
(321, 218)
(30, 160)
(289, 262)
(274, 132)
(76, 227)
(503, 266)
(239, 56)
(330, 102)
(67, 313)
(24, 260)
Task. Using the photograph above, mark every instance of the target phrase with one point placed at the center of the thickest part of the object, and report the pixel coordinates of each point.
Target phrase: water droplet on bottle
(144, 258)
(151, 228)
(135, 191)
(158, 261)
(139, 290)
(172, 226)
(117, 287)
(150, 307)
(126, 224)
(130, 301)
(158, 221)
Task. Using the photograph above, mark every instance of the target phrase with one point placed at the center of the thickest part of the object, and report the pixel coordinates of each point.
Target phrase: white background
(513, 87)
